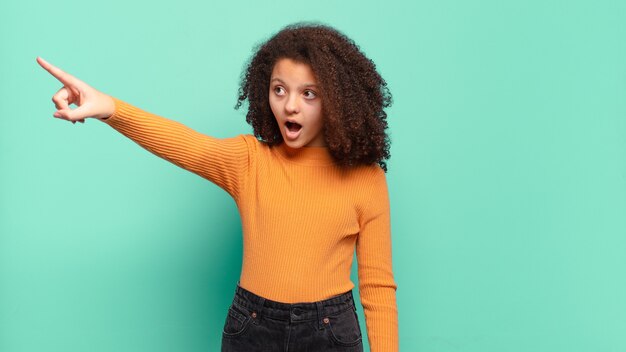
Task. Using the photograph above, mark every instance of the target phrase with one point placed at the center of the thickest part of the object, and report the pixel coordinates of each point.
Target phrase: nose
(292, 106)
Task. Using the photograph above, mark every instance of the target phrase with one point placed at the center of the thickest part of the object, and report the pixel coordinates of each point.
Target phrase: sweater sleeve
(221, 161)
(377, 287)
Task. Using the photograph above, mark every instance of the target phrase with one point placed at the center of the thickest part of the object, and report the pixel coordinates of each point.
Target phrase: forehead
(290, 71)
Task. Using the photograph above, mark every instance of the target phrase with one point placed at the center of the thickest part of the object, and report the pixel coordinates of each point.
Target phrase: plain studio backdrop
(507, 178)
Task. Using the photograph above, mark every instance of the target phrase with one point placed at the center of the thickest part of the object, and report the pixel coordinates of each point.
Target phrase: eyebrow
(302, 86)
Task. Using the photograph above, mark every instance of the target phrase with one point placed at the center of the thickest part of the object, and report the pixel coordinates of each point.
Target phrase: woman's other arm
(377, 285)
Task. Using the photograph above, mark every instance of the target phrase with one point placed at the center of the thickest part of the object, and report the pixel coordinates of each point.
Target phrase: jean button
(297, 311)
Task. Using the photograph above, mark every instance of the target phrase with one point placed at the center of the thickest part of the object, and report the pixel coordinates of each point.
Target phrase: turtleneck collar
(316, 156)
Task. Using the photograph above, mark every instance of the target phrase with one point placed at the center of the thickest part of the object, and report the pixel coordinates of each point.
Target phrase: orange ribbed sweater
(302, 215)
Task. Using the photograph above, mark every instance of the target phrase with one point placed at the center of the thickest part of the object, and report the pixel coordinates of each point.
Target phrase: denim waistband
(292, 311)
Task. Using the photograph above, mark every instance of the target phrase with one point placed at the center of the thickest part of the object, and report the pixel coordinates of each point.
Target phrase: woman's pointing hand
(90, 102)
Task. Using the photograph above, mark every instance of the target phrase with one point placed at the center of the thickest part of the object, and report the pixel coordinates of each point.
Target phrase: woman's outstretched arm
(221, 161)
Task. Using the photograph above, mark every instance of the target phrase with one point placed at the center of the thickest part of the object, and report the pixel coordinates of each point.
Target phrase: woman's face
(296, 104)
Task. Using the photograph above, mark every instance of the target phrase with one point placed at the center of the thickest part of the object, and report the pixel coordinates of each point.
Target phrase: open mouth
(293, 126)
(292, 130)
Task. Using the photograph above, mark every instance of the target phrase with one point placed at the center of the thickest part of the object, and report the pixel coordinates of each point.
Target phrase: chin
(299, 143)
(293, 144)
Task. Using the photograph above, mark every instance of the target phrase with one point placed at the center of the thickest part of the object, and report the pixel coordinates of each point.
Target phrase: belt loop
(259, 307)
(320, 314)
(352, 300)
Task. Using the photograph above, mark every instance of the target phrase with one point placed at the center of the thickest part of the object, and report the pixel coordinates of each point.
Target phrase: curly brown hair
(352, 91)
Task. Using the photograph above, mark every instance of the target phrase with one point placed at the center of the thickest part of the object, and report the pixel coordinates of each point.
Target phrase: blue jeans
(254, 323)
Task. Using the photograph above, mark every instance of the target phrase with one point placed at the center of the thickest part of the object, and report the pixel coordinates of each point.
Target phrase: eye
(276, 88)
(312, 94)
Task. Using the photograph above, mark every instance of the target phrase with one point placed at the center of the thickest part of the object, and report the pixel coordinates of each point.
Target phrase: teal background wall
(507, 177)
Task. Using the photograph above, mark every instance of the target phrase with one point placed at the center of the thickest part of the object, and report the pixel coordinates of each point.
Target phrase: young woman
(310, 186)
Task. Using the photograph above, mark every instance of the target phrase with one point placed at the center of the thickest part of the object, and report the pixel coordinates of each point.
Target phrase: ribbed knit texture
(302, 215)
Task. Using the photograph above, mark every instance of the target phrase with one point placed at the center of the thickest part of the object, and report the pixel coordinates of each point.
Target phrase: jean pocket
(344, 328)
(237, 320)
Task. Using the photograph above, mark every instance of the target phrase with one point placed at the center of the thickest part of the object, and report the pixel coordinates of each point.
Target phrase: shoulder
(253, 141)
(249, 138)
(370, 184)
(369, 175)
(256, 148)
(373, 193)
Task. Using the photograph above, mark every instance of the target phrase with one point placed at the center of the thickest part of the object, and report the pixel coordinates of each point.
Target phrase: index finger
(62, 76)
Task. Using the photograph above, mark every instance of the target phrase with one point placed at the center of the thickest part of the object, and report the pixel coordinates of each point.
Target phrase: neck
(317, 155)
